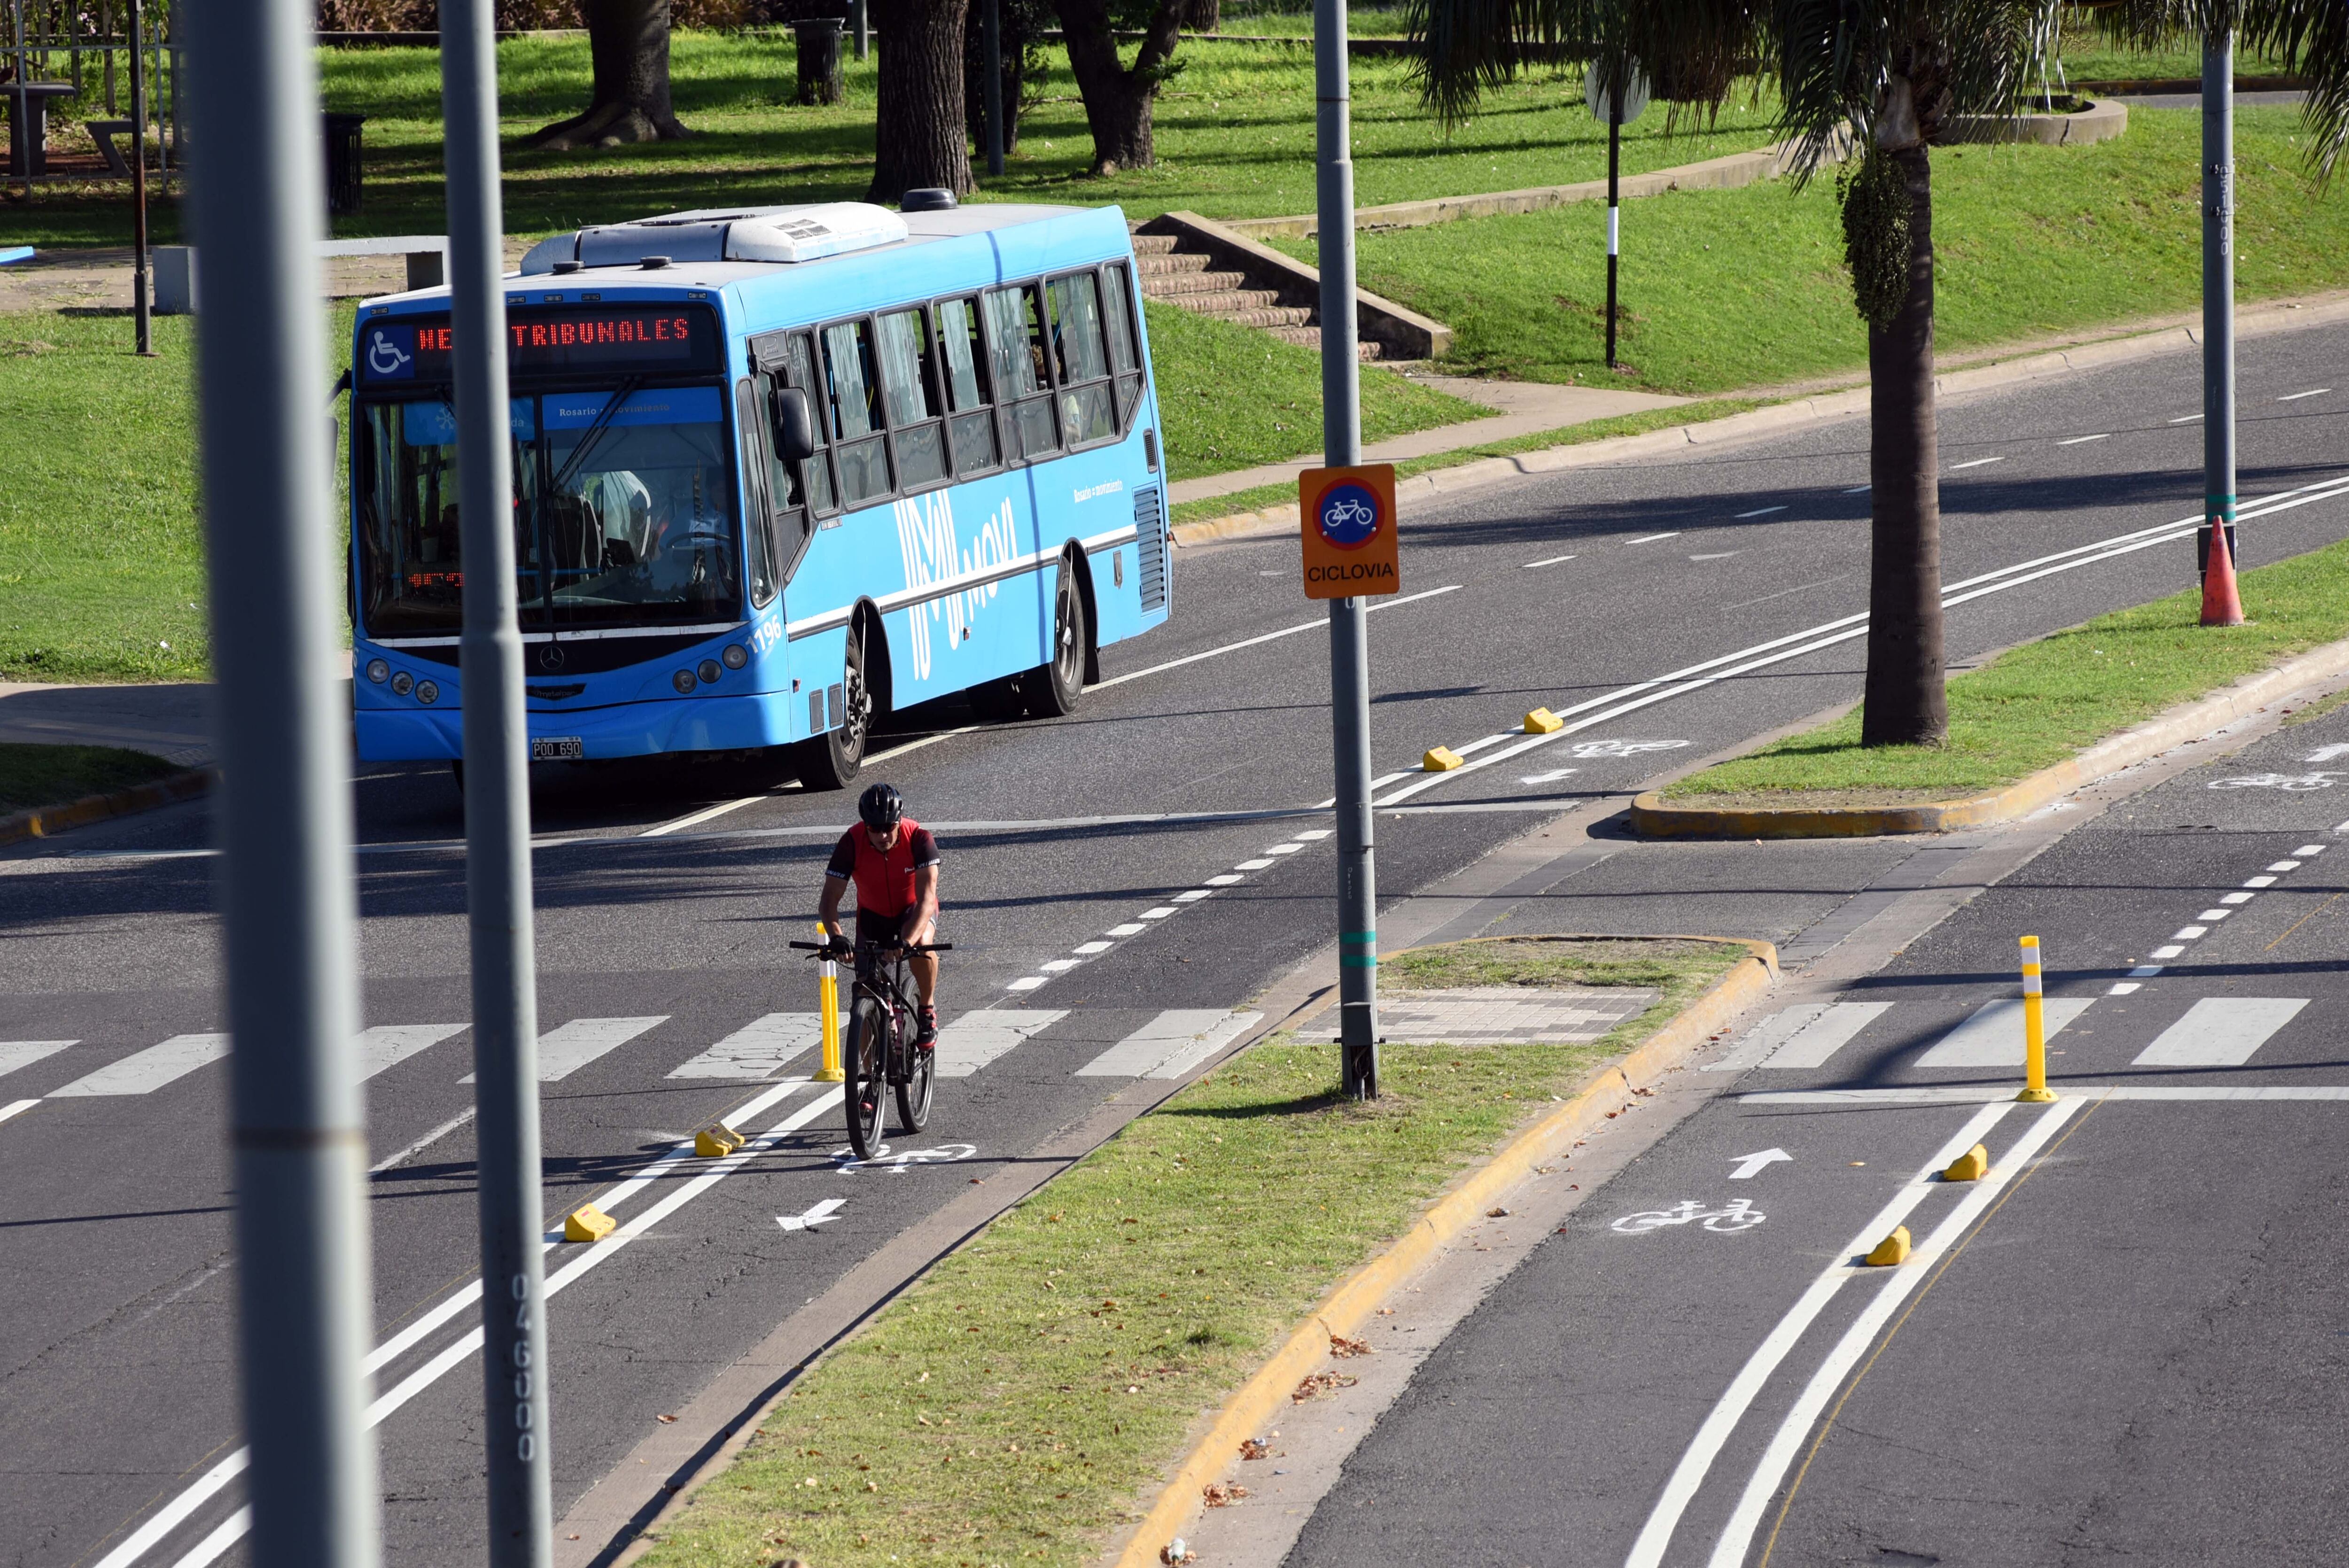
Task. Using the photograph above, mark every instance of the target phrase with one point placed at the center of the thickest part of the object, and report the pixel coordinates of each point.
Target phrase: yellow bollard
(2034, 1030)
(828, 1022)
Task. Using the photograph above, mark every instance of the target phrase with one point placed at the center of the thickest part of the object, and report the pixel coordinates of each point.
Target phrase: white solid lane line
(2003, 1093)
(696, 818)
(2081, 440)
(1656, 1535)
(1551, 561)
(1651, 538)
(1730, 1550)
(1321, 624)
(2296, 397)
(1978, 462)
(423, 1143)
(2185, 419)
(1759, 511)
(17, 1109)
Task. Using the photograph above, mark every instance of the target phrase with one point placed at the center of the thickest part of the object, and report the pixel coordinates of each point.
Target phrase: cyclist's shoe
(927, 1037)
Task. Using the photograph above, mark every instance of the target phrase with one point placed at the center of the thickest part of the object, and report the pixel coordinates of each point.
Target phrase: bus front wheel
(1052, 688)
(832, 761)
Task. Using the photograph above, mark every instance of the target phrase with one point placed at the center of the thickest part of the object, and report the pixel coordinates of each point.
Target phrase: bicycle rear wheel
(864, 1057)
(914, 1089)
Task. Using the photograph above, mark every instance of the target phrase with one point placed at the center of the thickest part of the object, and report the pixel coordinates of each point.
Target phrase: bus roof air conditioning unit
(805, 233)
(812, 233)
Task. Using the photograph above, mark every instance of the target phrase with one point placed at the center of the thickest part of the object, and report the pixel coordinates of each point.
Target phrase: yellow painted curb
(1250, 1408)
(1652, 817)
(50, 820)
(1891, 1251)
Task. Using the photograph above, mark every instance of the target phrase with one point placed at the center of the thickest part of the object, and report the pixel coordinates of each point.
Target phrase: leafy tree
(1118, 97)
(1887, 78)
(629, 42)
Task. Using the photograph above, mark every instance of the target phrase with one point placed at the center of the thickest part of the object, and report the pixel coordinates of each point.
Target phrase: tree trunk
(1905, 704)
(1203, 15)
(628, 41)
(921, 141)
(1118, 98)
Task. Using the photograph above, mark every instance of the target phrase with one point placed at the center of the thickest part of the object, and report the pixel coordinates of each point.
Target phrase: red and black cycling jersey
(884, 879)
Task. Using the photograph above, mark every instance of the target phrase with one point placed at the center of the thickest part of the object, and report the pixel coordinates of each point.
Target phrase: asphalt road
(2124, 1345)
(1584, 588)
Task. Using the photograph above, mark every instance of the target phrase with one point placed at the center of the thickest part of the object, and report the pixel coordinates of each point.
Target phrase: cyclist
(894, 861)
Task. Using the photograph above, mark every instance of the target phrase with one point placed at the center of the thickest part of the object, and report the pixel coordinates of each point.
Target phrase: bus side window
(757, 512)
(798, 370)
(1015, 326)
(1081, 360)
(855, 410)
(964, 351)
(909, 378)
(1124, 351)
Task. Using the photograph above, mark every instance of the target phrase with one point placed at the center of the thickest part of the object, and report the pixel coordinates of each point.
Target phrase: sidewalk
(1524, 409)
(100, 279)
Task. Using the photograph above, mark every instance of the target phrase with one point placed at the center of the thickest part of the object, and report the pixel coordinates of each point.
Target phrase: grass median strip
(32, 777)
(2035, 705)
(1016, 1404)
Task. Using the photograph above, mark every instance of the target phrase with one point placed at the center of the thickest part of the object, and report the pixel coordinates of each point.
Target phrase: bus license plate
(557, 749)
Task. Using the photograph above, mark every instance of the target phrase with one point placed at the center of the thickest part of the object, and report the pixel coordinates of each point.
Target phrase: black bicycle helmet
(880, 807)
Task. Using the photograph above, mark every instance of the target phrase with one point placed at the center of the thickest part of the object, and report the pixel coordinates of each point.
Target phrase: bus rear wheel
(1053, 688)
(832, 761)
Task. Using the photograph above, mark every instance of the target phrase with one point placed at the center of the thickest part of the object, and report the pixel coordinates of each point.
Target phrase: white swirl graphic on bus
(934, 553)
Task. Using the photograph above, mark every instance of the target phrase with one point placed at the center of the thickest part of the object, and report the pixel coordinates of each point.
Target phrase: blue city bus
(776, 471)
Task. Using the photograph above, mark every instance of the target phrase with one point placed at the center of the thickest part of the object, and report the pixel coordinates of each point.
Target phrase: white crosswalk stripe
(14, 1054)
(149, 1069)
(386, 1045)
(758, 1050)
(1803, 1036)
(2220, 1032)
(1170, 1044)
(1992, 1038)
(563, 1051)
(974, 1039)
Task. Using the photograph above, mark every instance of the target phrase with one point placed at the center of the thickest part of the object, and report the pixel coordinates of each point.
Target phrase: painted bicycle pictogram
(1738, 1215)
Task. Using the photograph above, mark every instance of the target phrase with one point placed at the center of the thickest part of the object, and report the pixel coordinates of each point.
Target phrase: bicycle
(876, 1046)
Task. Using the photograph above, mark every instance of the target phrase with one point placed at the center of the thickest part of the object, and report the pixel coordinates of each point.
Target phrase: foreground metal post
(305, 1308)
(1614, 199)
(992, 47)
(2218, 299)
(144, 330)
(497, 815)
(1349, 652)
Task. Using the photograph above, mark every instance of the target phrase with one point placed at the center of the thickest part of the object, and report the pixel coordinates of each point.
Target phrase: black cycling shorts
(883, 928)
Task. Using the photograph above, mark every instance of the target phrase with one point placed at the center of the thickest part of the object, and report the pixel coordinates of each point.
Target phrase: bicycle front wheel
(914, 1089)
(865, 1058)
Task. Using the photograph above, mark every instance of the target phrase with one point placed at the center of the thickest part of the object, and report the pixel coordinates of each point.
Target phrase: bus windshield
(624, 512)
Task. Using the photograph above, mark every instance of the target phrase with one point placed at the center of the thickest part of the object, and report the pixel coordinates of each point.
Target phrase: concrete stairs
(1177, 273)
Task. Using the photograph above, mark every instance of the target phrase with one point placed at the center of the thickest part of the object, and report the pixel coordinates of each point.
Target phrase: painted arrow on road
(1751, 1165)
(821, 1214)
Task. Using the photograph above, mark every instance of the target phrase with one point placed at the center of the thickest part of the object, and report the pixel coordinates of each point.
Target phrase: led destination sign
(619, 339)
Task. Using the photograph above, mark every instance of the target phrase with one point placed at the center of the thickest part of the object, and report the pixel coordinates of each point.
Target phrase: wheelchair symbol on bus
(386, 359)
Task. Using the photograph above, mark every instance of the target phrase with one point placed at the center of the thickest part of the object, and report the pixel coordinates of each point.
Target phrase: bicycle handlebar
(877, 947)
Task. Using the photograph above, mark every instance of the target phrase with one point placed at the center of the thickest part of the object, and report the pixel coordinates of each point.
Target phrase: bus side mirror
(794, 426)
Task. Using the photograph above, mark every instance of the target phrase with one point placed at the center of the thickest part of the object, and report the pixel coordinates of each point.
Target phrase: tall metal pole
(991, 46)
(497, 814)
(1614, 207)
(1349, 652)
(2218, 296)
(282, 817)
(144, 330)
(859, 19)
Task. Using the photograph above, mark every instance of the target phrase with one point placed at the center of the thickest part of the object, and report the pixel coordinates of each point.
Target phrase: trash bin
(343, 164)
(819, 60)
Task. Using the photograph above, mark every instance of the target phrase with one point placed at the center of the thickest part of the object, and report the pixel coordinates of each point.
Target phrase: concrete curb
(1409, 334)
(1250, 1409)
(1652, 818)
(2099, 122)
(50, 821)
(2276, 315)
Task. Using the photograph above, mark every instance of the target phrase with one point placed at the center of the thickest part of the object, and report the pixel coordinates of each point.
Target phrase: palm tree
(1888, 78)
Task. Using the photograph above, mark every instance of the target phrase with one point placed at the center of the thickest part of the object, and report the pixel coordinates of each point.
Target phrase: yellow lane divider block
(1541, 721)
(715, 1141)
(1893, 1249)
(1970, 1166)
(1442, 759)
(588, 1223)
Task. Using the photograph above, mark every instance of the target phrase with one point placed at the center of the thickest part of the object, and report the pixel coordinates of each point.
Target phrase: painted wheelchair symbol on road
(1738, 1215)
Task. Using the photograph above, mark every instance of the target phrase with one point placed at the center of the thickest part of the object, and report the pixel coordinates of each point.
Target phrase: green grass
(1234, 131)
(35, 776)
(1015, 1404)
(1260, 496)
(2037, 704)
(1743, 288)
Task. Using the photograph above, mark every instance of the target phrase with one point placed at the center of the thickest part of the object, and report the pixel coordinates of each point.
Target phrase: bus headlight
(736, 655)
(378, 671)
(428, 692)
(683, 681)
(710, 670)
(403, 683)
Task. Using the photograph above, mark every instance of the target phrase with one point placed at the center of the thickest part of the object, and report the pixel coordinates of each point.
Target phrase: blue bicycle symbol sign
(1350, 516)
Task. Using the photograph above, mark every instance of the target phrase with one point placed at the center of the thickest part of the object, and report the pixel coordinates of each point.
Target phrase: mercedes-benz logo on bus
(1350, 515)
(386, 359)
(550, 656)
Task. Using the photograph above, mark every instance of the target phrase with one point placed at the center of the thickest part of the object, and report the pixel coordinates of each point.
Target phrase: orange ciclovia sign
(1347, 517)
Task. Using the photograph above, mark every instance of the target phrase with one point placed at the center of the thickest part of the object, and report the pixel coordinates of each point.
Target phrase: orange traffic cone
(2221, 605)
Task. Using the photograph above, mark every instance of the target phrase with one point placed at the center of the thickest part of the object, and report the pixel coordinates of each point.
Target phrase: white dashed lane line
(2186, 936)
(2185, 419)
(1759, 511)
(2296, 397)
(2082, 440)
(1976, 463)
(1651, 538)
(1551, 561)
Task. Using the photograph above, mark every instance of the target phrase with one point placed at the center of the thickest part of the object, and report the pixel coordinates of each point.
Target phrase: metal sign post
(305, 1308)
(1617, 95)
(2218, 298)
(515, 1445)
(143, 331)
(1350, 653)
